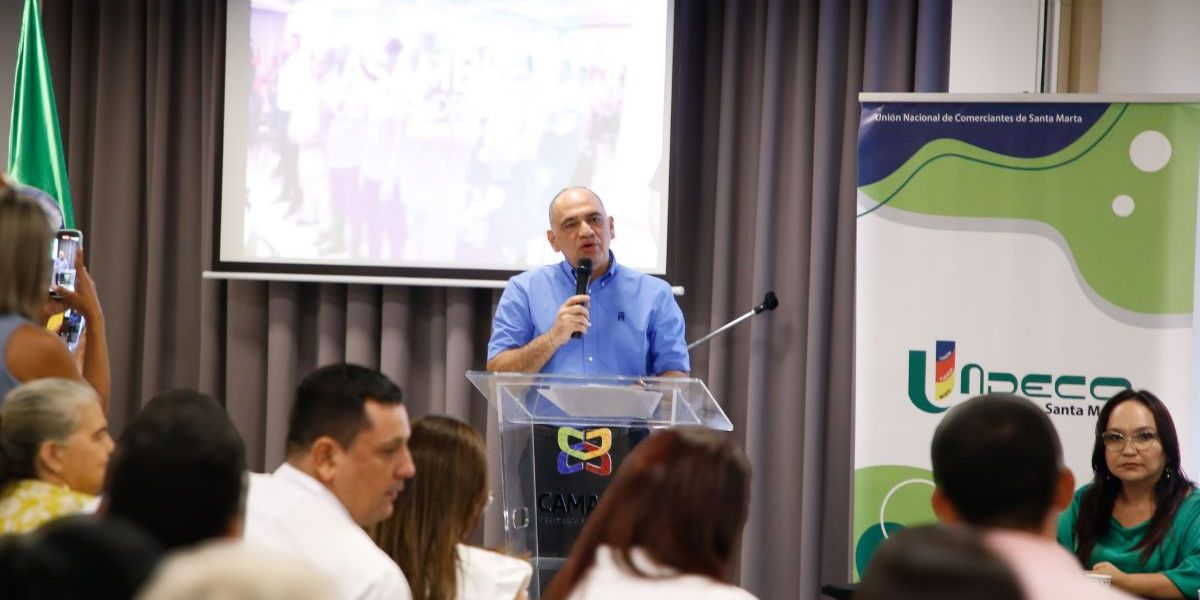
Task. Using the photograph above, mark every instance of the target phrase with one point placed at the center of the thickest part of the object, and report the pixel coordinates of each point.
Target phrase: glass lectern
(562, 438)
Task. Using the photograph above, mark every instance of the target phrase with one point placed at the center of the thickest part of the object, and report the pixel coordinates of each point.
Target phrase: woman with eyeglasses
(1139, 519)
(436, 513)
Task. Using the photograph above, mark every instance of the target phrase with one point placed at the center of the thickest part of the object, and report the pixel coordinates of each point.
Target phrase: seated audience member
(1139, 519)
(54, 449)
(347, 460)
(435, 513)
(229, 571)
(937, 562)
(179, 471)
(27, 350)
(668, 525)
(998, 466)
(81, 556)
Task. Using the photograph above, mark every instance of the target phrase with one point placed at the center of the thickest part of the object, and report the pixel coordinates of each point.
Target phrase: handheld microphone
(583, 274)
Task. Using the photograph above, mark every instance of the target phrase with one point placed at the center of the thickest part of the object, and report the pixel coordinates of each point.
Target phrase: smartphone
(72, 329)
(63, 248)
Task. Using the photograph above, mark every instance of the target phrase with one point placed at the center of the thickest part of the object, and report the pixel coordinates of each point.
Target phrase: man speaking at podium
(548, 322)
(623, 323)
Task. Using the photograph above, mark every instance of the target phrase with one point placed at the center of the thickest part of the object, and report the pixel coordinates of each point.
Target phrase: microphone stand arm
(721, 328)
(770, 302)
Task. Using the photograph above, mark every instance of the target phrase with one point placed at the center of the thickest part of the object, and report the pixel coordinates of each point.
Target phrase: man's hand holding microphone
(573, 319)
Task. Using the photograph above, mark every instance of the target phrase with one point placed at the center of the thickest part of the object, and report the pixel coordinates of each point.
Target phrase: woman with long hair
(1139, 518)
(667, 527)
(436, 512)
(27, 350)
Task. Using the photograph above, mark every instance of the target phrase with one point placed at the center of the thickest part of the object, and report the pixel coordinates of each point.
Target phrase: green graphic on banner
(887, 498)
(1123, 197)
(1040, 248)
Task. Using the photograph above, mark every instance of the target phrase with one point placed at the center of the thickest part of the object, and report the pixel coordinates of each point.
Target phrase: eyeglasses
(1141, 440)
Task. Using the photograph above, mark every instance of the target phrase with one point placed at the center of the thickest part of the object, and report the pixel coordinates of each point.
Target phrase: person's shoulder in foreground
(998, 466)
(487, 574)
(231, 571)
(1046, 570)
(288, 514)
(608, 579)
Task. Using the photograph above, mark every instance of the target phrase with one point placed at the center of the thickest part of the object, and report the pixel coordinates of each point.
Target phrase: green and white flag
(35, 150)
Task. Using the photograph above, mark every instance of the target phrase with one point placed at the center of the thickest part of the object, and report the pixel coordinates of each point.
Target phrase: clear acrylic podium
(562, 438)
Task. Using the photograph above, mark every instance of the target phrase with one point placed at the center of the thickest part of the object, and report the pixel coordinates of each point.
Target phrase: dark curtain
(763, 184)
(764, 132)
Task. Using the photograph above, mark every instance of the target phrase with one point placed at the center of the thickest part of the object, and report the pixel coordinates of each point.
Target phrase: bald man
(629, 321)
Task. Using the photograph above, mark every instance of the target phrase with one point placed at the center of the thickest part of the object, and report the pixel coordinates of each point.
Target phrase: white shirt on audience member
(606, 580)
(1045, 570)
(485, 575)
(292, 512)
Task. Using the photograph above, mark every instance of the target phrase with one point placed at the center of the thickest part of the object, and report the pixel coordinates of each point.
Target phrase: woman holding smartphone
(27, 350)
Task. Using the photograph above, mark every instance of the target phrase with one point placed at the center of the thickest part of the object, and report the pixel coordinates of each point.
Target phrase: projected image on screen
(434, 134)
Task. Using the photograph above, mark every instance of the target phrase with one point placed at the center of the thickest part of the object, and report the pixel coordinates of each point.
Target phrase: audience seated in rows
(54, 449)
(177, 479)
(1138, 521)
(347, 461)
(436, 512)
(668, 525)
(179, 471)
(937, 562)
(81, 556)
(27, 350)
(224, 570)
(998, 466)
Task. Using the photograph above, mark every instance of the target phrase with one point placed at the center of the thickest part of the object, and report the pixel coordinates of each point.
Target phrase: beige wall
(1150, 46)
(994, 46)
(1105, 46)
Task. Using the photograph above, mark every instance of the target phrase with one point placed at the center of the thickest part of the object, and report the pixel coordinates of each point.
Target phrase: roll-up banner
(1043, 246)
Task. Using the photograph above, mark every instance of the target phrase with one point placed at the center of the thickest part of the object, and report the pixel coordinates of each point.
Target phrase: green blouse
(1177, 557)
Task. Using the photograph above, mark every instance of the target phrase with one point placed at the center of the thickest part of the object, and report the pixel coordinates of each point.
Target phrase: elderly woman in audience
(28, 350)
(54, 448)
(426, 534)
(1139, 519)
(667, 527)
(937, 562)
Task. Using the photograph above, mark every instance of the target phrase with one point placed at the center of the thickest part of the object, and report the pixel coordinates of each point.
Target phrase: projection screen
(426, 138)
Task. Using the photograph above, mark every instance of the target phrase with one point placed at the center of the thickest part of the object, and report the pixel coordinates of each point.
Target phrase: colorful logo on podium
(586, 450)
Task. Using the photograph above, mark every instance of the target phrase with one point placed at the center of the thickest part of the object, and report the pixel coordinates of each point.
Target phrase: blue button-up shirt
(637, 328)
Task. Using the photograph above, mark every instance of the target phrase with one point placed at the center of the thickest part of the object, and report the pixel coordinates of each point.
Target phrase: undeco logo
(974, 380)
(580, 455)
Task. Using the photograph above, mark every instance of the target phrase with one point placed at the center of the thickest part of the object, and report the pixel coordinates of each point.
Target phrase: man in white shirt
(998, 466)
(347, 460)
